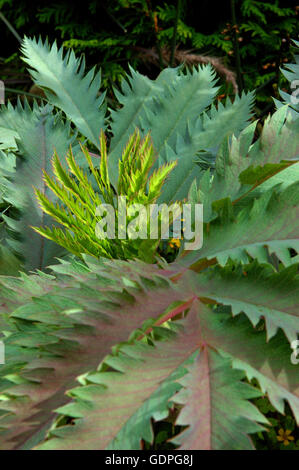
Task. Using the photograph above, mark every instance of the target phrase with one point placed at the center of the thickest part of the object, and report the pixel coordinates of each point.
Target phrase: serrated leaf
(216, 409)
(272, 222)
(39, 133)
(67, 86)
(83, 320)
(270, 363)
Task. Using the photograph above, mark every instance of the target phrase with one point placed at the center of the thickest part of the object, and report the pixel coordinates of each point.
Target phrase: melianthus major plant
(99, 349)
(192, 128)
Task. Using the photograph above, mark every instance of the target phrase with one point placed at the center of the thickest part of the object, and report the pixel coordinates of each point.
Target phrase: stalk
(175, 29)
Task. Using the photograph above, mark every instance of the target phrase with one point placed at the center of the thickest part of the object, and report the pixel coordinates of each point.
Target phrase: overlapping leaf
(79, 321)
(216, 409)
(39, 134)
(113, 409)
(179, 103)
(243, 169)
(67, 86)
(84, 313)
(271, 225)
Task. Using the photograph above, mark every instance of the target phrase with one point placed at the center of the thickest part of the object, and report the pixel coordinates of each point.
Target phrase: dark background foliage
(252, 38)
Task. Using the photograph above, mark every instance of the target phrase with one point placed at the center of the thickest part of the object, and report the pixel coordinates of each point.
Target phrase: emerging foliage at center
(81, 199)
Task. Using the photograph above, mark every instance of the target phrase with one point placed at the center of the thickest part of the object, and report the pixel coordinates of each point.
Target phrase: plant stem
(10, 27)
(236, 48)
(26, 93)
(175, 29)
(158, 46)
(115, 19)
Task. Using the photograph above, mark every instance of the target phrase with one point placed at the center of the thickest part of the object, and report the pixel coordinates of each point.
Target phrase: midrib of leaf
(42, 240)
(174, 375)
(259, 183)
(37, 436)
(206, 358)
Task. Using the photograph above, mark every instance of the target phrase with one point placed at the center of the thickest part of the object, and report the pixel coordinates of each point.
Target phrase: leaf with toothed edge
(270, 225)
(79, 318)
(40, 132)
(113, 410)
(82, 319)
(67, 86)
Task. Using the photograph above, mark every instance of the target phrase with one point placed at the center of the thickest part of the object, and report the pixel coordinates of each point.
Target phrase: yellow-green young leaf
(79, 200)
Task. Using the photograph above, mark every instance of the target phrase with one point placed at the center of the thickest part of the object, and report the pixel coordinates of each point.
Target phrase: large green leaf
(114, 409)
(182, 101)
(271, 225)
(244, 169)
(40, 132)
(52, 324)
(257, 291)
(67, 86)
(178, 100)
(197, 145)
